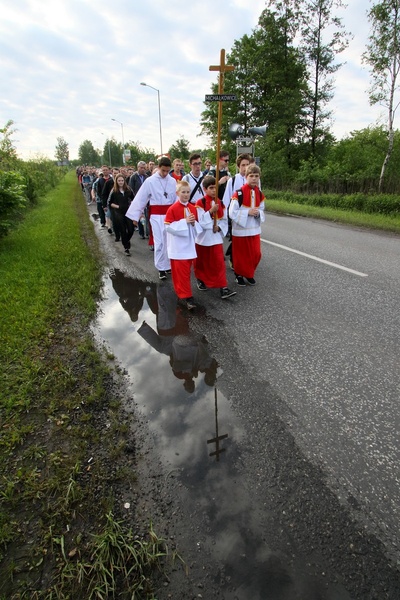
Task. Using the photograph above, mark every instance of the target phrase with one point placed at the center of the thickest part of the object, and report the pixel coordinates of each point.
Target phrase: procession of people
(185, 218)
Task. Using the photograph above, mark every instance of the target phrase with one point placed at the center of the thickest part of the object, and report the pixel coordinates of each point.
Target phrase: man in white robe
(160, 191)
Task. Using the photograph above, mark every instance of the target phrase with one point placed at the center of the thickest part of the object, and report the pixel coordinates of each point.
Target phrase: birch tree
(383, 57)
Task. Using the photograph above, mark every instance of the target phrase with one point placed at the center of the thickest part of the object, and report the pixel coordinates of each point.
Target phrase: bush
(12, 200)
(386, 204)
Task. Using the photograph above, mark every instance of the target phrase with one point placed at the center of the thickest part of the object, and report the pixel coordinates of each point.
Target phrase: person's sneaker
(240, 281)
(226, 293)
(162, 275)
(127, 252)
(151, 248)
(201, 286)
(168, 271)
(103, 224)
(251, 281)
(189, 303)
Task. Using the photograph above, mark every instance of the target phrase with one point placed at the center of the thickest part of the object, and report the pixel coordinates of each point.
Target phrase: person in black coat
(119, 202)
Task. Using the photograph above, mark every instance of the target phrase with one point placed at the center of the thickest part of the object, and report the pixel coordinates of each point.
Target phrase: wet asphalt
(274, 413)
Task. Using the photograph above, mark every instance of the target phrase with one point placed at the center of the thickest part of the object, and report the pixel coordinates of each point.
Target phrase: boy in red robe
(210, 264)
(182, 227)
(247, 213)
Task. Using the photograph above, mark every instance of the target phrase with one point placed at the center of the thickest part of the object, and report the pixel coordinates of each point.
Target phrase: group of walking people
(186, 218)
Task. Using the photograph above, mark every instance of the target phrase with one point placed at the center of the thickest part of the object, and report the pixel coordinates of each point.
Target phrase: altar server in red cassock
(210, 264)
(182, 227)
(247, 213)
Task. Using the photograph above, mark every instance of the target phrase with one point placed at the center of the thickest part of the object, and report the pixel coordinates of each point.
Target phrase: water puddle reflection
(174, 382)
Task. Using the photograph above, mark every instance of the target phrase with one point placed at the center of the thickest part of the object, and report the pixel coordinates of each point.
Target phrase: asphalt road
(309, 365)
(327, 341)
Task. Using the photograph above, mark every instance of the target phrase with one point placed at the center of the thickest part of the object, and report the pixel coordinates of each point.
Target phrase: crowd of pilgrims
(185, 217)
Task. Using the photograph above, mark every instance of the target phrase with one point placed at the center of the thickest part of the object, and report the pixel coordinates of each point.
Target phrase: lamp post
(159, 110)
(123, 143)
(109, 150)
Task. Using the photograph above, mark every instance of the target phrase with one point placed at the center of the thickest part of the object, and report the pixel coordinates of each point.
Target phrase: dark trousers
(123, 228)
(101, 212)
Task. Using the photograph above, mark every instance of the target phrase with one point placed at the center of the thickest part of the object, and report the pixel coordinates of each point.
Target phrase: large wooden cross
(222, 68)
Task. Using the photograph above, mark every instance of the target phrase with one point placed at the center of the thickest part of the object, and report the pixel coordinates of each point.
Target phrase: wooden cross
(222, 68)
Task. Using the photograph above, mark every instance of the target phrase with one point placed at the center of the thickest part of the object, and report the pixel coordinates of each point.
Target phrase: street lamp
(123, 143)
(109, 150)
(159, 110)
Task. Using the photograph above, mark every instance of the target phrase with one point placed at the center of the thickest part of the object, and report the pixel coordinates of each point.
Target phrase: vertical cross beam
(222, 68)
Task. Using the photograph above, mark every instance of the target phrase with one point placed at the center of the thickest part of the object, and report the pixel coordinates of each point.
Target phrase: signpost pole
(222, 68)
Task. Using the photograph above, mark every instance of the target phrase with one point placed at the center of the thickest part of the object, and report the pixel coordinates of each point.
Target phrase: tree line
(284, 77)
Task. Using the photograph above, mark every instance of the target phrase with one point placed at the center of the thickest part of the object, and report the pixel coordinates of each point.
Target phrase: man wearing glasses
(194, 178)
(223, 174)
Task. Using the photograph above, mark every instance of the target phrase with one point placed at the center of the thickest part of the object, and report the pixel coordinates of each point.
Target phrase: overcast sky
(71, 66)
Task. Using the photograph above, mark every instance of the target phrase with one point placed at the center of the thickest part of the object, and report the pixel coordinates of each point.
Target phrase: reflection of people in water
(188, 356)
(132, 293)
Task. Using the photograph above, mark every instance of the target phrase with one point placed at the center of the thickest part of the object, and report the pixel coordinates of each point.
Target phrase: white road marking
(321, 260)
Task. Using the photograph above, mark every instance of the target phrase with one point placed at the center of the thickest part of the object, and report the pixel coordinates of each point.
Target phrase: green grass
(56, 396)
(371, 221)
(49, 267)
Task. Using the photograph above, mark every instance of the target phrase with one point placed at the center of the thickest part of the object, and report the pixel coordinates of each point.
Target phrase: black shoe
(201, 286)
(162, 275)
(103, 224)
(142, 237)
(151, 248)
(189, 303)
(168, 271)
(251, 281)
(240, 281)
(117, 239)
(110, 231)
(226, 293)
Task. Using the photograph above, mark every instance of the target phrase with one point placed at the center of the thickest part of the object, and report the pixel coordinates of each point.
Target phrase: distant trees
(180, 149)
(62, 150)
(87, 154)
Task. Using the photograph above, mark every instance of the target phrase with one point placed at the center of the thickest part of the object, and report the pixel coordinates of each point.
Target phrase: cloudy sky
(71, 66)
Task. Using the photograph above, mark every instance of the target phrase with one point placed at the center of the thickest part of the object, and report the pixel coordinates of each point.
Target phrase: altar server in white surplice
(159, 191)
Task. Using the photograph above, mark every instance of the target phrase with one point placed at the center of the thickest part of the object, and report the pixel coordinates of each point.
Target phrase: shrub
(12, 199)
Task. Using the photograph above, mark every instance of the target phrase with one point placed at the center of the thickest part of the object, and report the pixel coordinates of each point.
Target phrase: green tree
(62, 150)
(269, 81)
(180, 149)
(322, 39)
(87, 154)
(383, 56)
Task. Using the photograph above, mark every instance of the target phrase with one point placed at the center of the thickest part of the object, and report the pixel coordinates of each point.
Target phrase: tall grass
(48, 266)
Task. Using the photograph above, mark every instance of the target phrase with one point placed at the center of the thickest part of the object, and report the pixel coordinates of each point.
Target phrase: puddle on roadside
(174, 383)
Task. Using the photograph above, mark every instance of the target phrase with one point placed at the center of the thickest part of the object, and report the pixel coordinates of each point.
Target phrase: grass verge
(60, 532)
(354, 218)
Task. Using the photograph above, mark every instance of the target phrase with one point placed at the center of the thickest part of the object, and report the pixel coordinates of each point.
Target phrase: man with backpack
(195, 178)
